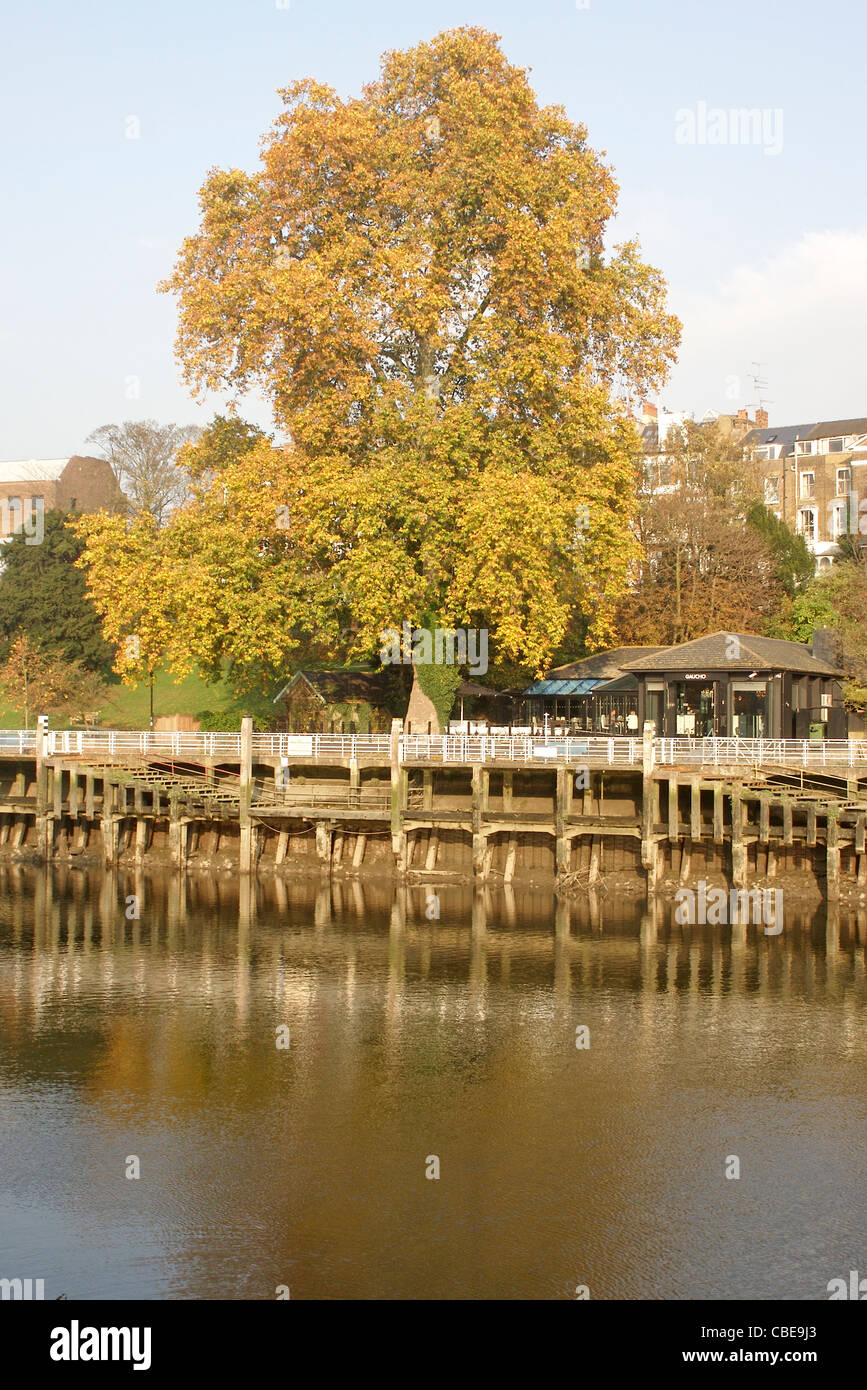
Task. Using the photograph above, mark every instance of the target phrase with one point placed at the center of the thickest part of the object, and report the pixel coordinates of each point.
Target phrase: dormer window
(804, 446)
(835, 446)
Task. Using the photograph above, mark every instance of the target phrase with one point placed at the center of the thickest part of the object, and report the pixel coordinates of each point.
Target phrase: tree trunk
(421, 714)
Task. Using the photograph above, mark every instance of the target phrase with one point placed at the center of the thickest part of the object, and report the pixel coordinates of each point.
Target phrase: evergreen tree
(42, 595)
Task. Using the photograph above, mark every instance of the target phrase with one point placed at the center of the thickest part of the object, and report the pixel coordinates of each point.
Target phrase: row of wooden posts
(404, 820)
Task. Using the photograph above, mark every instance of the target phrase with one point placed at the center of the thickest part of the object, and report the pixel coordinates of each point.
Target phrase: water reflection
(138, 1015)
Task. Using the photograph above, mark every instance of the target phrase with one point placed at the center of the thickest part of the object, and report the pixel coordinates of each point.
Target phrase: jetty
(415, 805)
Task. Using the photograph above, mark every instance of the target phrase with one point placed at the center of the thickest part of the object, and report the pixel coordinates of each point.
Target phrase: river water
(419, 1042)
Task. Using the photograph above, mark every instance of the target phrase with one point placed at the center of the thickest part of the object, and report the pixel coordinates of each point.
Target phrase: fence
(448, 748)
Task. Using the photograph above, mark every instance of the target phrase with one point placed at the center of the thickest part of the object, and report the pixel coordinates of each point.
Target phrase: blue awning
(582, 687)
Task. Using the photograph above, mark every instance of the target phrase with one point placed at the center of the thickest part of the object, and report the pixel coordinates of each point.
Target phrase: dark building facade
(725, 685)
(736, 685)
(336, 702)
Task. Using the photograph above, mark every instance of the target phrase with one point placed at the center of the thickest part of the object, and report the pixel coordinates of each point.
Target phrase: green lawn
(130, 709)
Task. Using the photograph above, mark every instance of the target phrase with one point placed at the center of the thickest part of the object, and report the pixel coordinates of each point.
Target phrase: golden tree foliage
(416, 279)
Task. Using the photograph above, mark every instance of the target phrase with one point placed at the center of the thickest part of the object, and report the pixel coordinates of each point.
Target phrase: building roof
(32, 470)
(618, 686)
(787, 434)
(827, 429)
(781, 434)
(755, 654)
(601, 665)
(335, 687)
(471, 688)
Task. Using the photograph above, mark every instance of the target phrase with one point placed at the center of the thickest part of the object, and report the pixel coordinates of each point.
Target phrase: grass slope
(130, 709)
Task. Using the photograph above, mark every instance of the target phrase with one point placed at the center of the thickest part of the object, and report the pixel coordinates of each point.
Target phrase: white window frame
(844, 492)
(804, 446)
(813, 533)
(803, 495)
(838, 520)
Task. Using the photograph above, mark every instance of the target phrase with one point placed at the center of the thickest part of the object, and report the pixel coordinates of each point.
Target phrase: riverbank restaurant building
(724, 685)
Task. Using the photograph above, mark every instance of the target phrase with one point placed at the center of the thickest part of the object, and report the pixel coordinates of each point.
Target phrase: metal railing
(761, 752)
(449, 748)
(489, 748)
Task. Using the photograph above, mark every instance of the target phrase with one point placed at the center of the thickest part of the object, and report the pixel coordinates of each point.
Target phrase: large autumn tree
(418, 281)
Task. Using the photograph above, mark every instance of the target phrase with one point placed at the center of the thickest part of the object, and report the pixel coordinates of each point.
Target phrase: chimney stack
(648, 411)
(762, 419)
(825, 645)
(742, 415)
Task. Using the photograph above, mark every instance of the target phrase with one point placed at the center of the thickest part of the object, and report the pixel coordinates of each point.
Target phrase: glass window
(654, 705)
(772, 490)
(695, 710)
(807, 523)
(749, 710)
(835, 446)
(807, 485)
(844, 481)
(838, 520)
(804, 446)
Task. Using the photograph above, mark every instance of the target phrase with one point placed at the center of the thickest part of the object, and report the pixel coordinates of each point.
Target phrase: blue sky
(764, 244)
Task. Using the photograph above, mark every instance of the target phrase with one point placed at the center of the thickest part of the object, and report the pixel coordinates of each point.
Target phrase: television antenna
(760, 387)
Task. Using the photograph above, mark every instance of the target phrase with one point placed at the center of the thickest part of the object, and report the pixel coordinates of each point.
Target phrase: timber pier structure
(424, 806)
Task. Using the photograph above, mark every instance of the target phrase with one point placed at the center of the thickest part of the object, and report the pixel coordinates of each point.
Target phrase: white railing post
(851, 752)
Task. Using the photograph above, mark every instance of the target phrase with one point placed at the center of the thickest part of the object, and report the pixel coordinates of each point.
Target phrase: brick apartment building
(655, 422)
(814, 477)
(28, 486)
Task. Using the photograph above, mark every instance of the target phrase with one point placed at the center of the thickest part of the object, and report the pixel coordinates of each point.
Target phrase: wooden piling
(832, 858)
(718, 817)
(739, 849)
(245, 818)
(480, 797)
(673, 812)
(695, 809)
